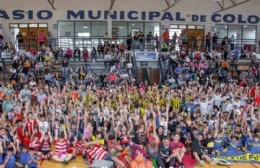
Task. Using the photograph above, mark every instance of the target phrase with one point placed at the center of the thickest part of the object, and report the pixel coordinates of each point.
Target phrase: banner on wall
(18, 14)
(146, 56)
(247, 157)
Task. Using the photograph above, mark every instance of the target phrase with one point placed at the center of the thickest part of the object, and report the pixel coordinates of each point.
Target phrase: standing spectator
(185, 40)
(85, 54)
(68, 53)
(129, 41)
(149, 38)
(208, 42)
(166, 37)
(157, 41)
(174, 39)
(64, 67)
(19, 38)
(232, 42)
(141, 40)
(226, 49)
(214, 41)
(76, 53)
(100, 50)
(136, 41)
(55, 54)
(122, 48)
(41, 39)
(94, 54)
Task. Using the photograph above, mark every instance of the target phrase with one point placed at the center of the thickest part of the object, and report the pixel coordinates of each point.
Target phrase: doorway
(30, 33)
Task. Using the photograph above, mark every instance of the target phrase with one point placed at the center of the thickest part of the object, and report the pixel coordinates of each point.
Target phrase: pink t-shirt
(41, 38)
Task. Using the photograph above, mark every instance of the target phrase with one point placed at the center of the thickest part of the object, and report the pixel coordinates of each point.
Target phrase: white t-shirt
(229, 107)
(165, 126)
(237, 103)
(217, 99)
(43, 126)
(210, 105)
(204, 107)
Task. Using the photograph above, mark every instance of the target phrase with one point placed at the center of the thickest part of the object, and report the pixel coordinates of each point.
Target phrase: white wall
(186, 7)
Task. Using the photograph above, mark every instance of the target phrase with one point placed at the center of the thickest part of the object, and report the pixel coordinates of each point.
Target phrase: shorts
(61, 156)
(108, 158)
(45, 152)
(79, 152)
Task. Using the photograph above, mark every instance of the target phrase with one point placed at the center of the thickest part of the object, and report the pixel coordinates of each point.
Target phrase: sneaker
(202, 163)
(213, 162)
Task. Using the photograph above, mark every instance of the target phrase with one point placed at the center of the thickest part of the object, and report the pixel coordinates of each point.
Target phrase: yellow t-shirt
(176, 103)
(101, 141)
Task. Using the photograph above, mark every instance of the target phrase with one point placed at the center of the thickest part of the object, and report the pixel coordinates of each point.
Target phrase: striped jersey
(80, 146)
(97, 153)
(61, 147)
(46, 145)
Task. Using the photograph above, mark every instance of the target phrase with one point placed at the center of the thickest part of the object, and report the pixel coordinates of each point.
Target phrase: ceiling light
(85, 27)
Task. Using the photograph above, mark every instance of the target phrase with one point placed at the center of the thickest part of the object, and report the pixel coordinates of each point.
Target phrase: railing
(81, 42)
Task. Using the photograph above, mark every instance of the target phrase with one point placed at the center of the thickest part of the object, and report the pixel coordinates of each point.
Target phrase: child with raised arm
(32, 160)
(61, 147)
(196, 147)
(9, 161)
(23, 155)
(45, 145)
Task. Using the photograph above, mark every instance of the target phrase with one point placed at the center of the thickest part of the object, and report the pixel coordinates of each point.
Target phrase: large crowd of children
(126, 124)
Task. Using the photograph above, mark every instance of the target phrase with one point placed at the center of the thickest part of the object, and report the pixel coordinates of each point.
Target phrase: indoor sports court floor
(79, 163)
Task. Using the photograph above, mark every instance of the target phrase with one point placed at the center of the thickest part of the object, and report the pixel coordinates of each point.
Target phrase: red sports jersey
(79, 146)
(46, 145)
(19, 132)
(35, 145)
(26, 141)
(97, 153)
(61, 147)
(177, 145)
(30, 125)
(111, 144)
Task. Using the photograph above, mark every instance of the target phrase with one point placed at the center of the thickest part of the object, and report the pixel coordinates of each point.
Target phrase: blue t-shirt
(24, 157)
(1, 158)
(233, 146)
(33, 164)
(11, 162)
(7, 106)
(253, 146)
(26, 95)
(218, 142)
